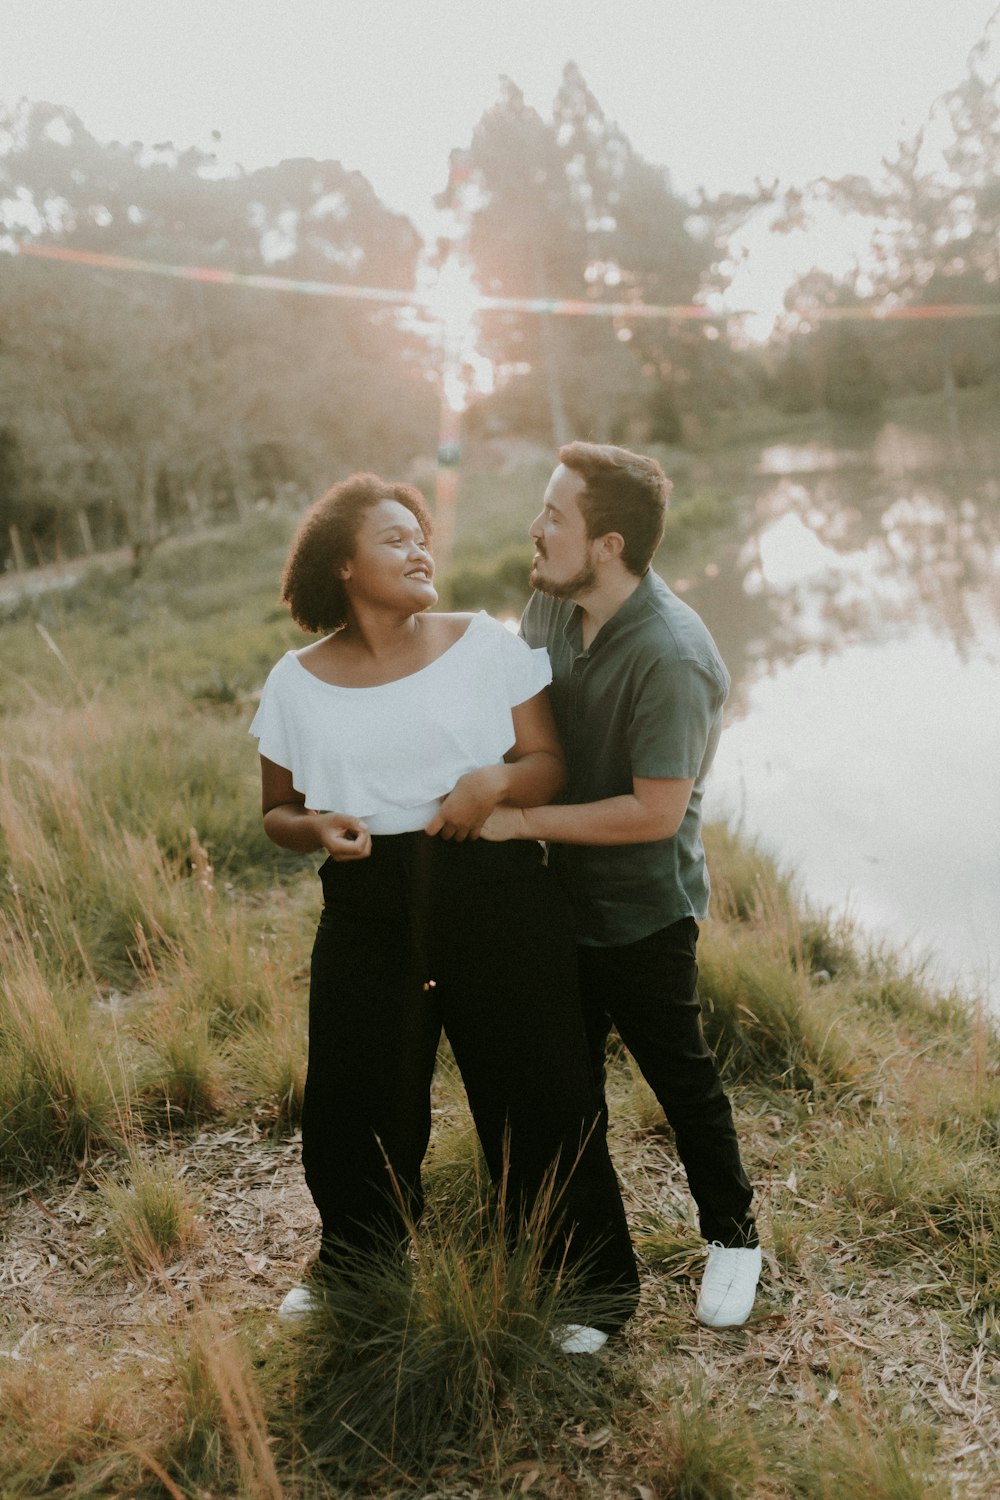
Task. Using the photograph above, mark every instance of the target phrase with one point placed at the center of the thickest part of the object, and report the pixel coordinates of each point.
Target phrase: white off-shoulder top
(389, 754)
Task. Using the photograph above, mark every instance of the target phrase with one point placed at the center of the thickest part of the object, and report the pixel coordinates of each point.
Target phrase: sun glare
(767, 264)
(453, 301)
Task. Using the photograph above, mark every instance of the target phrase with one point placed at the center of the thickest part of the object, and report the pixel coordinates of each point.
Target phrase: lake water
(858, 610)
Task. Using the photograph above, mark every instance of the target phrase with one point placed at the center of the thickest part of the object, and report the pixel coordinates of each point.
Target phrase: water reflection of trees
(834, 558)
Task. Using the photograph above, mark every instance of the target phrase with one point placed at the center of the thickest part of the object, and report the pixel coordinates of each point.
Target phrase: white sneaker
(301, 1302)
(728, 1286)
(577, 1338)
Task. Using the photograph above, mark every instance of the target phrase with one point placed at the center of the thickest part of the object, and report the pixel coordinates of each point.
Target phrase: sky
(721, 92)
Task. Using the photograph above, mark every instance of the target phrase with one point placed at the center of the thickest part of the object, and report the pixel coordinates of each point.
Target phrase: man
(638, 688)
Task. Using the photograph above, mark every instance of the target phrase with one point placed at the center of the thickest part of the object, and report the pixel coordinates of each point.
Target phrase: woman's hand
(469, 803)
(292, 825)
(343, 837)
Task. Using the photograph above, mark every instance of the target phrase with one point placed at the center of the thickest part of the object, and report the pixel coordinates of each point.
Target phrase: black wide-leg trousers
(475, 938)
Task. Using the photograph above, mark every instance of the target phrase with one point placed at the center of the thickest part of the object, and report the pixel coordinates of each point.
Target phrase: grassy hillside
(152, 1033)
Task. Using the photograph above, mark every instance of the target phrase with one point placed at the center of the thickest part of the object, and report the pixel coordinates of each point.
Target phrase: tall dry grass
(60, 1081)
(153, 990)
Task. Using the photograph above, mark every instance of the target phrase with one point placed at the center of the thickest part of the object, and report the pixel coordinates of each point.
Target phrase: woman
(386, 744)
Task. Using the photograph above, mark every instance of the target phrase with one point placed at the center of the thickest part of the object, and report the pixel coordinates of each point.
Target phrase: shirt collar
(630, 610)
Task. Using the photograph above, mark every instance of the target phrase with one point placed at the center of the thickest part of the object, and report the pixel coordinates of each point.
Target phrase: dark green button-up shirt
(645, 699)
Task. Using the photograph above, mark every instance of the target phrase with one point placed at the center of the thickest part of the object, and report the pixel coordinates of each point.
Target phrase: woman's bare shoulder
(320, 649)
(448, 628)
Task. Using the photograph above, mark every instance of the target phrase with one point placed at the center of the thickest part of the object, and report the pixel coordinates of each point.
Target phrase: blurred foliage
(132, 407)
(935, 244)
(567, 208)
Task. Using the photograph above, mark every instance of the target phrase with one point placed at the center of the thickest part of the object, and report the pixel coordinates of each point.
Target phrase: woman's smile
(390, 548)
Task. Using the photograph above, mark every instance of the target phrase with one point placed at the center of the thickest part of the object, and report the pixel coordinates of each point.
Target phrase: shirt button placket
(576, 694)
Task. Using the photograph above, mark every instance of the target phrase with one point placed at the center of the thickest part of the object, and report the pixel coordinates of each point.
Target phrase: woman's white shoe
(577, 1338)
(301, 1302)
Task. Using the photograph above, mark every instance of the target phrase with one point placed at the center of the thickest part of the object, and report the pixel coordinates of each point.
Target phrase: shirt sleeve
(526, 670)
(676, 721)
(269, 724)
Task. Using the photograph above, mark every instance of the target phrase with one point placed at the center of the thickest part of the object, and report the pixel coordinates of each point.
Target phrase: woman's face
(392, 566)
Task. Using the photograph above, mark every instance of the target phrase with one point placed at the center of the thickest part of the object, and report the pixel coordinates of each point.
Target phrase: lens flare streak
(561, 306)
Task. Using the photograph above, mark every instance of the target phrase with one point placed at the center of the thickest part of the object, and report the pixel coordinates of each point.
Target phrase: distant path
(16, 586)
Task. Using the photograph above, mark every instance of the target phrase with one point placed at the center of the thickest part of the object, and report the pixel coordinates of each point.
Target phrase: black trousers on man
(649, 991)
(475, 938)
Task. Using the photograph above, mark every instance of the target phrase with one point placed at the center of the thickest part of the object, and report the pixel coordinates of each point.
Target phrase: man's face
(563, 565)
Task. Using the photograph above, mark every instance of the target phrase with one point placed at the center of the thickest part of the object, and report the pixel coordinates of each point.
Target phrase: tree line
(140, 404)
(131, 406)
(935, 246)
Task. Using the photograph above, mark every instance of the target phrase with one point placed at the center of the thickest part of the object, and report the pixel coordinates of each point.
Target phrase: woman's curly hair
(325, 541)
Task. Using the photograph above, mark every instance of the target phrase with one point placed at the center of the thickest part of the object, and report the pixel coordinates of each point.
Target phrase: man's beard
(580, 583)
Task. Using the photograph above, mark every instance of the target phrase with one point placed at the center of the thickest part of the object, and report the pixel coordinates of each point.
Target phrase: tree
(567, 208)
(936, 234)
(146, 402)
(835, 357)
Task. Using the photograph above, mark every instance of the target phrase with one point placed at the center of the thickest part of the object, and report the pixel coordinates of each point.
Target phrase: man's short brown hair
(625, 492)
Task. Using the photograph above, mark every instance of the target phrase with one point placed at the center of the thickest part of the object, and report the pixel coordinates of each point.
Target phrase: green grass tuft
(57, 1099)
(185, 1079)
(440, 1365)
(698, 1452)
(150, 1218)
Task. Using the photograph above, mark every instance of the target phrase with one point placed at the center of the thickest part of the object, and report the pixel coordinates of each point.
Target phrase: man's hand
(344, 837)
(504, 823)
(469, 803)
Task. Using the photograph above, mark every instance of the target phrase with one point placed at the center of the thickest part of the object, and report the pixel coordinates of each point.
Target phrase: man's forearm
(615, 820)
(535, 778)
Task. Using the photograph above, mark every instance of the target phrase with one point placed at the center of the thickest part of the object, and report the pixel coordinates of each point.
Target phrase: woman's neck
(379, 633)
